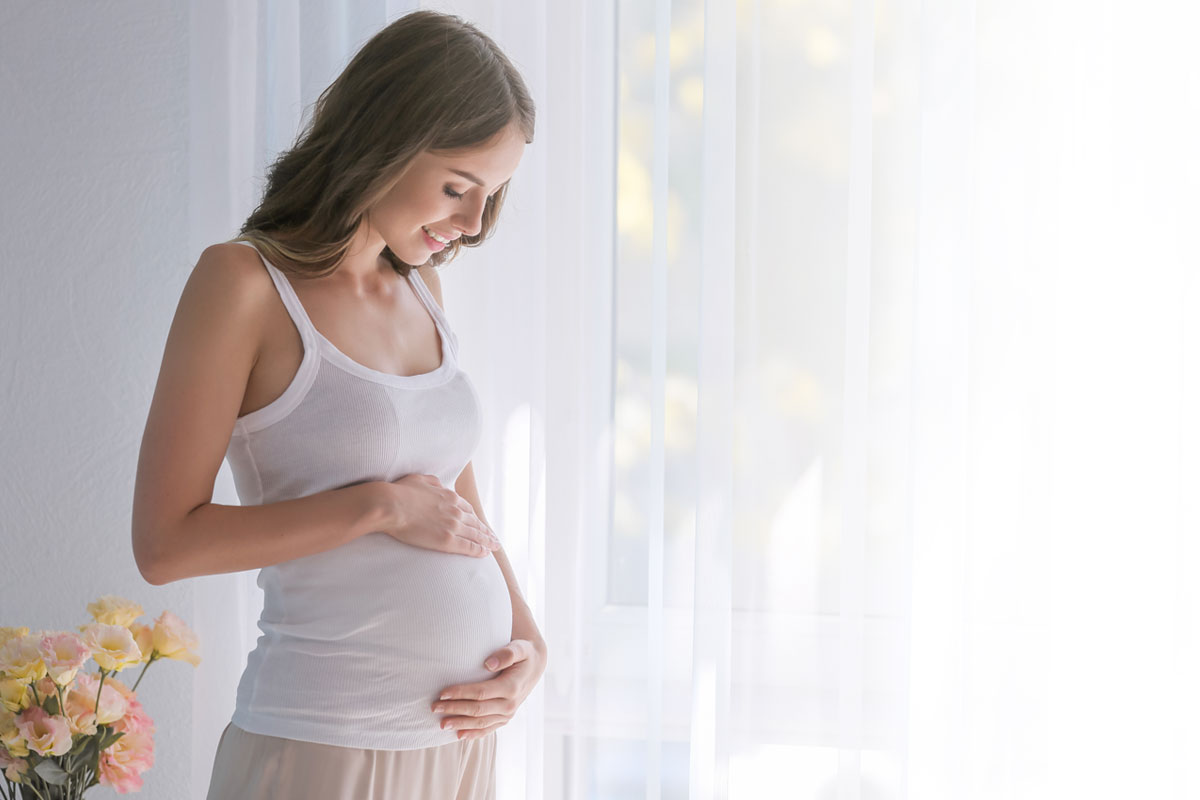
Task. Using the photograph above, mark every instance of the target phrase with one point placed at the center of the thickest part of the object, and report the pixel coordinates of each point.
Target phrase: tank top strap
(291, 302)
(435, 310)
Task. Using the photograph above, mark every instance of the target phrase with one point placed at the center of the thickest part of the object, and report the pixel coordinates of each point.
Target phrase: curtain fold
(837, 363)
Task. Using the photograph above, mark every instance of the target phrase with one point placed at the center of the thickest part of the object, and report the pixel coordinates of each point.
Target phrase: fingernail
(491, 663)
(445, 696)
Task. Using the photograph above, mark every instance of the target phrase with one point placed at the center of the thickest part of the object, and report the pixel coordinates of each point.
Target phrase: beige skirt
(250, 766)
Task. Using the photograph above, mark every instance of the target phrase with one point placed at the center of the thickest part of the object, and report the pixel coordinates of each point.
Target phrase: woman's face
(443, 194)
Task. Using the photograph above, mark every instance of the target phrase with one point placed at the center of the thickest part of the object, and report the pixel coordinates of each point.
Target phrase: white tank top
(358, 641)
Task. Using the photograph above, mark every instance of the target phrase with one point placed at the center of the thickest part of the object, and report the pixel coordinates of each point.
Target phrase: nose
(470, 219)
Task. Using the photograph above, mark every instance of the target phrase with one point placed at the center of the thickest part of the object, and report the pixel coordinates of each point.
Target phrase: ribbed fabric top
(358, 641)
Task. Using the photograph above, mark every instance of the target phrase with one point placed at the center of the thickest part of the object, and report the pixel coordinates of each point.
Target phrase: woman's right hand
(429, 515)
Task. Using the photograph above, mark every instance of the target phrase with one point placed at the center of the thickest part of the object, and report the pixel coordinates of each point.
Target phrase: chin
(414, 259)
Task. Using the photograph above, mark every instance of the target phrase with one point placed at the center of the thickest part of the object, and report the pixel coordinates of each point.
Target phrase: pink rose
(122, 779)
(16, 770)
(46, 735)
(123, 763)
(46, 687)
(63, 653)
(136, 719)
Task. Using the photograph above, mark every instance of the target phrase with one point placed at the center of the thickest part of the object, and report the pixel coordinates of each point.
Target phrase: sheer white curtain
(836, 361)
(903, 471)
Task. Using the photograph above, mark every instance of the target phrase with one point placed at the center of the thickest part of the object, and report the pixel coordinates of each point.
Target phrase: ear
(430, 276)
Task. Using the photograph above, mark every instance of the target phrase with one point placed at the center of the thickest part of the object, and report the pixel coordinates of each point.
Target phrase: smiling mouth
(436, 237)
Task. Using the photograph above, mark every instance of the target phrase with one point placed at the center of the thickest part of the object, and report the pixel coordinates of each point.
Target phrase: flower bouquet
(64, 730)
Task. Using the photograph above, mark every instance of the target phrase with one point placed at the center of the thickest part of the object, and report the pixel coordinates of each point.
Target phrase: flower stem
(153, 658)
(99, 689)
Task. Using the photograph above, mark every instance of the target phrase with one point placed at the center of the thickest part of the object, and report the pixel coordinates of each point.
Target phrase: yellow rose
(21, 658)
(14, 695)
(10, 736)
(144, 636)
(12, 633)
(112, 646)
(174, 639)
(113, 610)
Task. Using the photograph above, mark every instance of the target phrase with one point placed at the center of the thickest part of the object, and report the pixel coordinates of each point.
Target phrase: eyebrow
(468, 176)
(471, 177)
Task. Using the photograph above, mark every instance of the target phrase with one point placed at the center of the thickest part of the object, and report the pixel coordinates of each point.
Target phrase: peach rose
(112, 646)
(120, 687)
(80, 712)
(112, 702)
(113, 610)
(174, 639)
(46, 735)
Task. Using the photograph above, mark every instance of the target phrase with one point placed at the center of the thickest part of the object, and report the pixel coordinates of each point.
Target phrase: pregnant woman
(313, 352)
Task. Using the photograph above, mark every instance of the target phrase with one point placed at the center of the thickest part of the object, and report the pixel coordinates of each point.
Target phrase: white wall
(93, 253)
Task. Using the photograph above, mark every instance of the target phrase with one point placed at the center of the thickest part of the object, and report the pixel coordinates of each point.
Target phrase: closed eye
(458, 195)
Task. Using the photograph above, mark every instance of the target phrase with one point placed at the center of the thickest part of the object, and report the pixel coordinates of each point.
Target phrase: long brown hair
(427, 81)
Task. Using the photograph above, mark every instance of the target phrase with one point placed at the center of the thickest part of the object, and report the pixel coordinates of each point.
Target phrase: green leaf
(51, 772)
(108, 738)
(87, 749)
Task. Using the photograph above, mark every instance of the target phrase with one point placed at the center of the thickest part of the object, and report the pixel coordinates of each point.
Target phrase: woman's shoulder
(230, 288)
(235, 270)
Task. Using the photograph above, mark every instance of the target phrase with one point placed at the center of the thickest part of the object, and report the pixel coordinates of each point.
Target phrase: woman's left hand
(477, 709)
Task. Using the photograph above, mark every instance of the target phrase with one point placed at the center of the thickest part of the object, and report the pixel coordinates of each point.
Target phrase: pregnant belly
(377, 600)
(359, 641)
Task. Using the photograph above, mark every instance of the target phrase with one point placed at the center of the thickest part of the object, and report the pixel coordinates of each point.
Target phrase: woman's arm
(213, 343)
